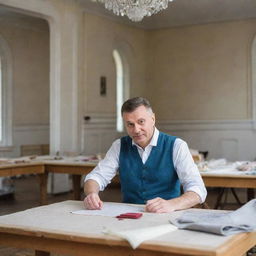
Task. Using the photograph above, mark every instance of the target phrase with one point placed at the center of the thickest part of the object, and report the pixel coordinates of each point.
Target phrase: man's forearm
(91, 186)
(185, 201)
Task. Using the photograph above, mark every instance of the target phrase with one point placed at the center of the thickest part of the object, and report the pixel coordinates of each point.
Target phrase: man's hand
(185, 201)
(159, 205)
(92, 202)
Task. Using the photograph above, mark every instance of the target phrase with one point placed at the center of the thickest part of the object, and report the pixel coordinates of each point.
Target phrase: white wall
(28, 43)
(101, 37)
(202, 86)
(233, 140)
(202, 72)
(198, 79)
(198, 76)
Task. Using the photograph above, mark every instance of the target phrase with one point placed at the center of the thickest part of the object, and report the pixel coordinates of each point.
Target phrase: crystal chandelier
(135, 9)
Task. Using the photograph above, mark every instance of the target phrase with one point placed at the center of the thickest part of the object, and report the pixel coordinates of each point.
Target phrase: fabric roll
(221, 223)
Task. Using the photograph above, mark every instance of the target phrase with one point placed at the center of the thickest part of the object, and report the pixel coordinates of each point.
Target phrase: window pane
(119, 90)
(1, 101)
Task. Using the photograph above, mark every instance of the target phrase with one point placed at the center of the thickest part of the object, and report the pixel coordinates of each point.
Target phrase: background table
(222, 180)
(79, 168)
(76, 169)
(13, 169)
(233, 180)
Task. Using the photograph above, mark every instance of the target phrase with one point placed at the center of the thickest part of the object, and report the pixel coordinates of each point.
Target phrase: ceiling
(179, 13)
(185, 12)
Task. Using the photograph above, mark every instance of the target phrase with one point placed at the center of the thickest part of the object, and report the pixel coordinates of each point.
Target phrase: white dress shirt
(183, 162)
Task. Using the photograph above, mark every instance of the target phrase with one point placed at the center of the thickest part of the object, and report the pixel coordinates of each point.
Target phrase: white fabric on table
(136, 236)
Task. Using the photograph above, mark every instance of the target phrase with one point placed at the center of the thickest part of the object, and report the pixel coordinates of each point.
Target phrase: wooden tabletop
(12, 169)
(236, 180)
(54, 228)
(77, 168)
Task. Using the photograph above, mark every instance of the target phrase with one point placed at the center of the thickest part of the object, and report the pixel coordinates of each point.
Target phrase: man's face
(140, 125)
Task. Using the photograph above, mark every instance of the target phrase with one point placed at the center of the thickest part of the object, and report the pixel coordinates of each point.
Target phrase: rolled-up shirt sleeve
(107, 167)
(187, 171)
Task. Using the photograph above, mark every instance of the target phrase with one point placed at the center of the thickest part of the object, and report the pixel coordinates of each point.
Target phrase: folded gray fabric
(222, 223)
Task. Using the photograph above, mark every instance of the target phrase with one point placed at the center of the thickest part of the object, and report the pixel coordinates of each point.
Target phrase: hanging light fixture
(135, 10)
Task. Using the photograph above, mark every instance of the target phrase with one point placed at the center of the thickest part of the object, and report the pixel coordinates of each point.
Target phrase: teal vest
(156, 178)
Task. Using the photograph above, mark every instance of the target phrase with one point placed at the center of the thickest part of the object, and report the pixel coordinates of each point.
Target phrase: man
(151, 166)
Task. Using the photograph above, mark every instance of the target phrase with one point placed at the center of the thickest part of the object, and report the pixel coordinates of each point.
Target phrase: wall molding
(198, 125)
(31, 127)
(24, 22)
(100, 121)
(29, 134)
(6, 148)
(108, 121)
(231, 139)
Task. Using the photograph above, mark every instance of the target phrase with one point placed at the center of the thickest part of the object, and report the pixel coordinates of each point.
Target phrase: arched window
(119, 89)
(254, 82)
(1, 101)
(5, 94)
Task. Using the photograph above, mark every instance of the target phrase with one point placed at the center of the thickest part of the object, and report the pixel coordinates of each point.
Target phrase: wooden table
(76, 169)
(53, 228)
(229, 180)
(13, 169)
(43, 167)
(236, 180)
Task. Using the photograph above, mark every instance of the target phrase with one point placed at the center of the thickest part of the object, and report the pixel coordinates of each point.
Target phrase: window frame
(6, 97)
(119, 89)
(123, 75)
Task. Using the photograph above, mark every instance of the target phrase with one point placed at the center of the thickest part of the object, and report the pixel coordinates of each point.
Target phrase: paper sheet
(111, 209)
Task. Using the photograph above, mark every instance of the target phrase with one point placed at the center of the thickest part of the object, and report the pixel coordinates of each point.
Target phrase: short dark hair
(131, 104)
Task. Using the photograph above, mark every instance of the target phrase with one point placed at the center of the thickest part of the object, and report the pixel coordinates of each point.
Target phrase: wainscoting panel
(233, 140)
(98, 141)
(26, 135)
(99, 133)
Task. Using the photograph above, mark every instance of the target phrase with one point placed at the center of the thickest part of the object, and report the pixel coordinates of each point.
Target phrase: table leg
(43, 188)
(41, 253)
(236, 197)
(76, 186)
(250, 194)
(218, 201)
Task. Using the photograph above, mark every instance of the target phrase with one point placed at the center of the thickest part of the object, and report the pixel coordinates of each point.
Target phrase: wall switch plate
(103, 86)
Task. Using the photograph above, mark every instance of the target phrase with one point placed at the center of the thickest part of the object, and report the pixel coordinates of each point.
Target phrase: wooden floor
(27, 196)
